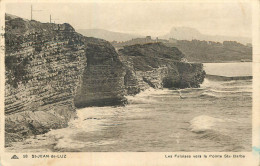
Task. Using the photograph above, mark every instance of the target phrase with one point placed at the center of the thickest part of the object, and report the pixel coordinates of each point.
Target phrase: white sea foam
(145, 97)
(93, 119)
(203, 123)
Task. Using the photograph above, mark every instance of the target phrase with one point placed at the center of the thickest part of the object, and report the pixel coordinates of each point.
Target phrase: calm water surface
(229, 69)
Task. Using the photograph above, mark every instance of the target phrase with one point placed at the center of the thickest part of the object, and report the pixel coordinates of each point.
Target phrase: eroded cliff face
(158, 66)
(49, 69)
(44, 63)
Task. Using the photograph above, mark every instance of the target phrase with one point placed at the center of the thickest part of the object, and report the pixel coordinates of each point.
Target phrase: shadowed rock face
(103, 78)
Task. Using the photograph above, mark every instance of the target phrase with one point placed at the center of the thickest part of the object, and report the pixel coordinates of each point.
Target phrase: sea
(213, 118)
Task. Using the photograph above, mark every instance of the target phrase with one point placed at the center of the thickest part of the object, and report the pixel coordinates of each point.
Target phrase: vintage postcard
(146, 83)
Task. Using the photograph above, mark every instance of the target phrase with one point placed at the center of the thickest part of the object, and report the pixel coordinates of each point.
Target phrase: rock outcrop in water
(51, 70)
(158, 66)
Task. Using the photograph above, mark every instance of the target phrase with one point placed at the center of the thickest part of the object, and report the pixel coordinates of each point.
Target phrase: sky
(145, 17)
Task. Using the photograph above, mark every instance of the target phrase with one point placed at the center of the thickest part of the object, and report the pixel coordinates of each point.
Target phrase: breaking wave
(215, 130)
(147, 96)
(202, 123)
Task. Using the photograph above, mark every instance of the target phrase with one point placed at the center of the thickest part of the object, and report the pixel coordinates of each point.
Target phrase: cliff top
(21, 32)
(152, 55)
(19, 26)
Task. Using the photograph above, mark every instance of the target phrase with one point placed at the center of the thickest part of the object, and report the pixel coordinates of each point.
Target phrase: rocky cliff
(43, 67)
(158, 66)
(51, 69)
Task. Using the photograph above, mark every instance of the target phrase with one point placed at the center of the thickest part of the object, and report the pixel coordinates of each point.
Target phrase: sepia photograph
(141, 76)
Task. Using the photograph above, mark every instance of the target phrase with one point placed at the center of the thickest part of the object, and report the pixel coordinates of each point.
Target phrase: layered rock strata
(44, 63)
(47, 65)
